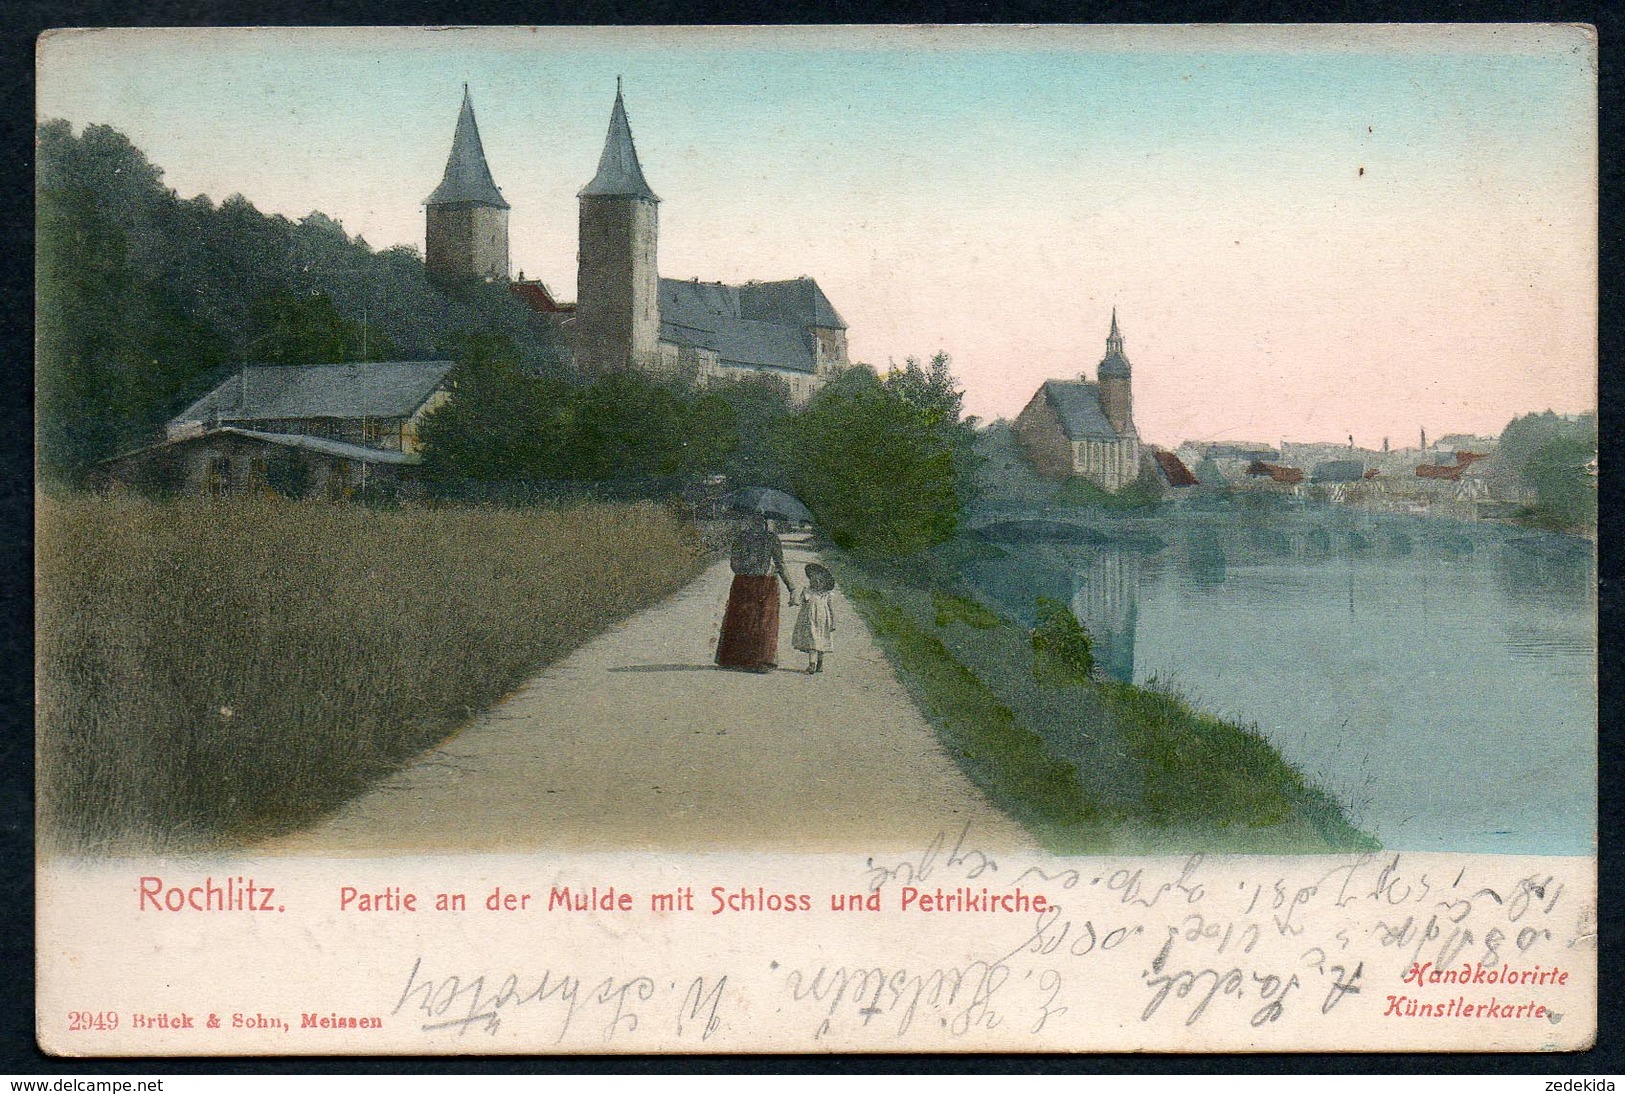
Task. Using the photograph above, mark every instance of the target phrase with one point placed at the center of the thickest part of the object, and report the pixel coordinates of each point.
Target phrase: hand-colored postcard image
(816, 539)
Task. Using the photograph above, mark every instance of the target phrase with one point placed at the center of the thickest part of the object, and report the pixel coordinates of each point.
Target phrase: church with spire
(1074, 427)
(626, 317)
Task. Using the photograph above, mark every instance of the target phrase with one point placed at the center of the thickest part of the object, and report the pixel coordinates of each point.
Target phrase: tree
(1552, 456)
(760, 407)
(502, 423)
(143, 298)
(630, 426)
(877, 469)
(306, 329)
(115, 348)
(933, 391)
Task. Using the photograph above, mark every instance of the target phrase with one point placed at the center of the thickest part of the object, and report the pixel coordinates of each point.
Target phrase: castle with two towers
(626, 317)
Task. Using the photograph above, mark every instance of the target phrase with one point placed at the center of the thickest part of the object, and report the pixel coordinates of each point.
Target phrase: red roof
(535, 294)
(1450, 471)
(1276, 472)
(1173, 468)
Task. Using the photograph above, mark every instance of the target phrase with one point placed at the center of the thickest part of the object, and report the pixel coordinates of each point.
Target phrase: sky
(1307, 233)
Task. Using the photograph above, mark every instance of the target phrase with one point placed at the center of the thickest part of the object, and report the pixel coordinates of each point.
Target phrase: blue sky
(991, 192)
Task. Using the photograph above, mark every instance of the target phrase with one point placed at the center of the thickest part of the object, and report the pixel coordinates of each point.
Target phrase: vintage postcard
(816, 539)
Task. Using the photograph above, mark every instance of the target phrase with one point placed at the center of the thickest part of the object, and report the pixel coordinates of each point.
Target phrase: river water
(1438, 679)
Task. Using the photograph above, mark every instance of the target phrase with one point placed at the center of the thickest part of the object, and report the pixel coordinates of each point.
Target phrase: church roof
(1077, 404)
(374, 389)
(798, 303)
(1114, 366)
(619, 173)
(709, 315)
(467, 177)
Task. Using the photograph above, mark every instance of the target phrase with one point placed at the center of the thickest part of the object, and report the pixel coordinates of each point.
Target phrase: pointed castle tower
(1116, 395)
(465, 219)
(617, 324)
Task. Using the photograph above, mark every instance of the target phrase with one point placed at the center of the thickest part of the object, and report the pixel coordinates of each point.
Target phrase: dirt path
(636, 741)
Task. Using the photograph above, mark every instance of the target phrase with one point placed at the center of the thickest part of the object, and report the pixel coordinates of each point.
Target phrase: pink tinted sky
(1307, 233)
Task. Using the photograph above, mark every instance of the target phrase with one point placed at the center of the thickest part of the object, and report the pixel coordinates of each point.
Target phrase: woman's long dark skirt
(750, 629)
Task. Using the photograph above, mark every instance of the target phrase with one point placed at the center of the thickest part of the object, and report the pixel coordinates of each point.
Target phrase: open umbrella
(775, 503)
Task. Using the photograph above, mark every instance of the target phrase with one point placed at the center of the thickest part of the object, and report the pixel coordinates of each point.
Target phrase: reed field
(210, 672)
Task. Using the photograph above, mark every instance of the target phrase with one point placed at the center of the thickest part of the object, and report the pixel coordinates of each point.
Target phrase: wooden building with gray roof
(331, 430)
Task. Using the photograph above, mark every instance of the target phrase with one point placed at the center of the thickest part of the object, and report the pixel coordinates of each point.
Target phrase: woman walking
(750, 628)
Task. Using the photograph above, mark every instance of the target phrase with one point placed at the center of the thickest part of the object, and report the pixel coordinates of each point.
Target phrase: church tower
(1116, 396)
(617, 323)
(465, 219)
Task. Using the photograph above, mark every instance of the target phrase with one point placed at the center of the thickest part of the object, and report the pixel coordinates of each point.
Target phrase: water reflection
(1385, 656)
(1100, 584)
(1105, 602)
(1533, 569)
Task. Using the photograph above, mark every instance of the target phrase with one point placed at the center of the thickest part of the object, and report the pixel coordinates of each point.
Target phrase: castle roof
(619, 173)
(798, 303)
(374, 389)
(468, 177)
(763, 324)
(1077, 405)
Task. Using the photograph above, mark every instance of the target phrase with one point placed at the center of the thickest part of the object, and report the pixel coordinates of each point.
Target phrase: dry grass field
(214, 671)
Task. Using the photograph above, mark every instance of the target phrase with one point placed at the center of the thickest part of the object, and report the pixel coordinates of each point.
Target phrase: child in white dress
(815, 626)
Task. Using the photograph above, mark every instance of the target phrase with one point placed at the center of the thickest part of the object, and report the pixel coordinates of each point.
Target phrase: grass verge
(1086, 764)
(214, 671)
(1006, 761)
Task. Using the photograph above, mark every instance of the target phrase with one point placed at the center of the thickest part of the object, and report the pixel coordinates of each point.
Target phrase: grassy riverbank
(214, 671)
(1087, 765)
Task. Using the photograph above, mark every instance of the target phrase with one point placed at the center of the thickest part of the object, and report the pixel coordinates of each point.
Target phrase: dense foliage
(146, 298)
(506, 423)
(1063, 652)
(885, 465)
(1554, 457)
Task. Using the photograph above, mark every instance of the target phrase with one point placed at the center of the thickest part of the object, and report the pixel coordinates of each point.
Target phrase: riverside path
(636, 741)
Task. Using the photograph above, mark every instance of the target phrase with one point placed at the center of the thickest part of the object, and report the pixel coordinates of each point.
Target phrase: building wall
(389, 434)
(1111, 464)
(701, 366)
(829, 348)
(1117, 403)
(617, 318)
(463, 241)
(1038, 428)
(228, 466)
